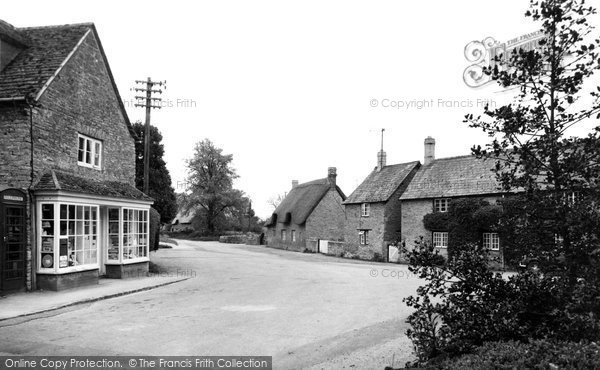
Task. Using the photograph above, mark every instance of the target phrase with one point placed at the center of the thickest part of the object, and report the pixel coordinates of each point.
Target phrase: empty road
(305, 310)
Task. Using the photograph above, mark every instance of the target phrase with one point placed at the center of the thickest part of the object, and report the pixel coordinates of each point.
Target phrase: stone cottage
(69, 211)
(436, 184)
(373, 210)
(309, 217)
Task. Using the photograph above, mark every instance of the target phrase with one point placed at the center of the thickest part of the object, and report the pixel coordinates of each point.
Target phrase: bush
(537, 354)
(436, 221)
(154, 229)
(463, 304)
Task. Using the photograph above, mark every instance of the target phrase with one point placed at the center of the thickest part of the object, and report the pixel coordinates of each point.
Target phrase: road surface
(305, 310)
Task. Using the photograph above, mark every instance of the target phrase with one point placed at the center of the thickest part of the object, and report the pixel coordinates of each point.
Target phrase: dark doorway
(13, 237)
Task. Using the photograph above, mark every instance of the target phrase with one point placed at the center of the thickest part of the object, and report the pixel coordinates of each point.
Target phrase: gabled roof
(379, 186)
(55, 180)
(45, 51)
(454, 177)
(297, 206)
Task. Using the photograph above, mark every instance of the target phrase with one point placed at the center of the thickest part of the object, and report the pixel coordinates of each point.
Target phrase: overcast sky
(287, 87)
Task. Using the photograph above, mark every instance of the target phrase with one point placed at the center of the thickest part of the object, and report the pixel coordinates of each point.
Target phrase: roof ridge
(401, 164)
(312, 182)
(55, 179)
(456, 157)
(89, 24)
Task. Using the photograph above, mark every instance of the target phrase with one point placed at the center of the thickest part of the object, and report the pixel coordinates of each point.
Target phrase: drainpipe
(31, 255)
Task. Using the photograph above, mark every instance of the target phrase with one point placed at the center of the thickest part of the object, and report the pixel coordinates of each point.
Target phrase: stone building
(69, 210)
(373, 210)
(309, 217)
(436, 184)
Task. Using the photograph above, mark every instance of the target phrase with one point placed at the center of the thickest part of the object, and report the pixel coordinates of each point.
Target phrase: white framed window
(67, 237)
(363, 237)
(491, 241)
(440, 239)
(441, 205)
(89, 153)
(128, 235)
(293, 235)
(365, 209)
(282, 235)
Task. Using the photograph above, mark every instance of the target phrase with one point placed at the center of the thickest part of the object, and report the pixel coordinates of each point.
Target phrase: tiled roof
(44, 50)
(379, 186)
(55, 180)
(453, 177)
(48, 48)
(301, 201)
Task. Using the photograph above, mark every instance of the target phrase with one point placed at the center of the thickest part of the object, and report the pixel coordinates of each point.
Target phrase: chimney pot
(381, 160)
(429, 150)
(331, 176)
(294, 183)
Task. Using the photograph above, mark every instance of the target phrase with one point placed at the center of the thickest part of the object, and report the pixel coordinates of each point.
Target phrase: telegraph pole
(148, 102)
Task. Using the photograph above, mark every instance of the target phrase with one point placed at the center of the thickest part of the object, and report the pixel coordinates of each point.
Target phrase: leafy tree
(210, 181)
(160, 187)
(275, 200)
(558, 174)
(552, 214)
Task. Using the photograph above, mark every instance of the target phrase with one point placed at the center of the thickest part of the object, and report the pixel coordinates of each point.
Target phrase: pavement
(306, 310)
(41, 301)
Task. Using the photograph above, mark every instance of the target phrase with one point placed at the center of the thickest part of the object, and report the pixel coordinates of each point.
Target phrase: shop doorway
(13, 238)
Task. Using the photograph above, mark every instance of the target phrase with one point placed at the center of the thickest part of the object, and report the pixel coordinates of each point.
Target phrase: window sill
(135, 260)
(82, 164)
(68, 270)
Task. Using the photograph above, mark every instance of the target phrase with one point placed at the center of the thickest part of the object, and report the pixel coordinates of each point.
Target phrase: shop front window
(135, 241)
(68, 236)
(128, 233)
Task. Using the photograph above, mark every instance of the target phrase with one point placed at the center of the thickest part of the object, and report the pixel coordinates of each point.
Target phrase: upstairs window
(441, 205)
(89, 153)
(365, 208)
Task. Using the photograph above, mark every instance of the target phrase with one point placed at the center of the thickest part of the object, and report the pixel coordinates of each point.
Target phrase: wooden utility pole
(148, 102)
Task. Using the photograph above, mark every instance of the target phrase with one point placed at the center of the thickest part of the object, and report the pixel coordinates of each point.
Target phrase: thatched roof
(379, 186)
(454, 177)
(297, 206)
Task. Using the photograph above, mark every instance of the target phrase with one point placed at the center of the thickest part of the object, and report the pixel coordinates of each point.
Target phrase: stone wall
(374, 223)
(273, 236)
(15, 145)
(327, 219)
(81, 99)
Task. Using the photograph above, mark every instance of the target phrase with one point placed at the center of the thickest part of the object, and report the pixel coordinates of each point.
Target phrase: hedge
(538, 354)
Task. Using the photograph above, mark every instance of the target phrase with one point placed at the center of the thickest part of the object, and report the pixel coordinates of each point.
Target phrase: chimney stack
(294, 183)
(331, 176)
(429, 150)
(381, 160)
